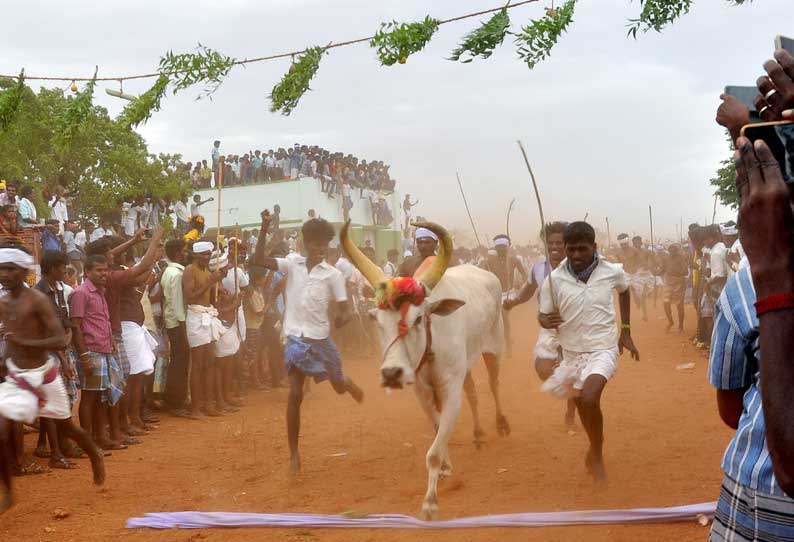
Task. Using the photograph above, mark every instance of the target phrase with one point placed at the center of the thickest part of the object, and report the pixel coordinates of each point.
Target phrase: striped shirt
(735, 365)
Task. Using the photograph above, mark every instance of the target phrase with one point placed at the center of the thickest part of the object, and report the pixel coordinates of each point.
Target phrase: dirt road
(663, 446)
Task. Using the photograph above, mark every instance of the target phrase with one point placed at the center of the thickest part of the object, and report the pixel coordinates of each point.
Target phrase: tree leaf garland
(482, 41)
(77, 110)
(10, 100)
(537, 38)
(656, 14)
(204, 66)
(395, 42)
(140, 110)
(287, 93)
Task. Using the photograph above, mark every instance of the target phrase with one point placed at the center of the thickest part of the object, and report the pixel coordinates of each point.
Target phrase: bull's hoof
(429, 512)
(502, 426)
(479, 438)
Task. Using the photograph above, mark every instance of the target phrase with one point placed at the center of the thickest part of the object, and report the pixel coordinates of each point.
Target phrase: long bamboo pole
(466, 204)
(542, 219)
(218, 229)
(653, 255)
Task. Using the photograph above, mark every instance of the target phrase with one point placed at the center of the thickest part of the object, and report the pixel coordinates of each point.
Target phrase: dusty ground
(663, 446)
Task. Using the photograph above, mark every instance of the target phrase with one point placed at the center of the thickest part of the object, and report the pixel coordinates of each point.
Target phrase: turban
(17, 257)
(623, 239)
(728, 229)
(424, 233)
(501, 241)
(407, 253)
(202, 246)
(218, 261)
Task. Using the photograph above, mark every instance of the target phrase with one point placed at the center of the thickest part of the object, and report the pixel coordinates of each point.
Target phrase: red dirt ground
(663, 447)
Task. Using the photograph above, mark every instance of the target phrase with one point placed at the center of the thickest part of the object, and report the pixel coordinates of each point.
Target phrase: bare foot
(98, 467)
(669, 327)
(294, 466)
(6, 501)
(355, 392)
(596, 469)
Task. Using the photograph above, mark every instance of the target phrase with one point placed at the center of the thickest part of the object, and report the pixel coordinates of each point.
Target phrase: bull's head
(404, 307)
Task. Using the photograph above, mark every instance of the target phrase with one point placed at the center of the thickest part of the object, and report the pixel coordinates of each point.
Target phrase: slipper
(112, 446)
(42, 452)
(136, 432)
(30, 468)
(62, 463)
(151, 419)
(181, 413)
(131, 441)
(75, 452)
(230, 408)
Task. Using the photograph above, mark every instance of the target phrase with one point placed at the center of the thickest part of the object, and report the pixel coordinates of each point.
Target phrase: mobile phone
(783, 42)
(779, 136)
(745, 95)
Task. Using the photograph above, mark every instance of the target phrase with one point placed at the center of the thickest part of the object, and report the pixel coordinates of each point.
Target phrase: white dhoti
(228, 343)
(570, 375)
(28, 394)
(202, 325)
(140, 347)
(547, 346)
(641, 282)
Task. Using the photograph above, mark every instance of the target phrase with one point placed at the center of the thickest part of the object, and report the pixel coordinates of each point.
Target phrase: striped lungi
(746, 515)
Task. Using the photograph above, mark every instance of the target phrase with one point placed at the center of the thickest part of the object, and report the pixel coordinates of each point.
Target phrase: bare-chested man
(504, 265)
(426, 244)
(638, 265)
(33, 387)
(202, 326)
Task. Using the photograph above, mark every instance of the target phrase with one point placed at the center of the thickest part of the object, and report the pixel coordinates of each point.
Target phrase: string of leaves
(482, 41)
(536, 40)
(140, 110)
(204, 66)
(656, 14)
(395, 42)
(287, 93)
(10, 100)
(77, 110)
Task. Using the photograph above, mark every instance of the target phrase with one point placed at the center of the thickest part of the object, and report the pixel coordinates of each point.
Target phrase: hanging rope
(261, 58)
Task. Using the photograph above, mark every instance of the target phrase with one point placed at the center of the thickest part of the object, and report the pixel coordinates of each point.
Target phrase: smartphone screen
(782, 42)
(780, 139)
(745, 95)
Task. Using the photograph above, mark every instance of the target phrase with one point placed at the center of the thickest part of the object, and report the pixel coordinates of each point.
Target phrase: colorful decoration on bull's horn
(396, 292)
(374, 274)
(430, 275)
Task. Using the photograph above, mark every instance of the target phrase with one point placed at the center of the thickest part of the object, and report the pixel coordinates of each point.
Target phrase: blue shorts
(317, 358)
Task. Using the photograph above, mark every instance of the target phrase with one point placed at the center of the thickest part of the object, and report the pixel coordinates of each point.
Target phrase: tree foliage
(10, 99)
(103, 161)
(482, 41)
(139, 110)
(205, 66)
(724, 183)
(657, 14)
(536, 40)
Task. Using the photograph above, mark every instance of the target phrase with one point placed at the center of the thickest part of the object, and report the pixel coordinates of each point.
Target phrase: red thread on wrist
(774, 302)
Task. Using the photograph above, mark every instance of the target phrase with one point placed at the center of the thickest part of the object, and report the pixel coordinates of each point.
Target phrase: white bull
(432, 337)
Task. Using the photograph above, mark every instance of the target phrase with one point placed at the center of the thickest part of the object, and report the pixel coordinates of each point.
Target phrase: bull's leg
(438, 451)
(471, 397)
(492, 365)
(425, 396)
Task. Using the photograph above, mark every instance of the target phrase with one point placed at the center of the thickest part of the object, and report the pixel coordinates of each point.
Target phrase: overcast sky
(611, 125)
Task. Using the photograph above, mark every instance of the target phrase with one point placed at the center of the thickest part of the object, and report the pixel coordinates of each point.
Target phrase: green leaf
(482, 41)
(536, 40)
(287, 93)
(10, 100)
(78, 109)
(395, 42)
(140, 109)
(656, 14)
(205, 66)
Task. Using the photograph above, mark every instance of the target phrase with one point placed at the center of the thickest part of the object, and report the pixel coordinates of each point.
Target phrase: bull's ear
(373, 313)
(443, 307)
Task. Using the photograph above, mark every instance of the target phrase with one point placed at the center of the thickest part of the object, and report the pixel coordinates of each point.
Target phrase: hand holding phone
(776, 88)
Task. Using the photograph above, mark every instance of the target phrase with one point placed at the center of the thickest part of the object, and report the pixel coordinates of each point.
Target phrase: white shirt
(308, 295)
(345, 267)
(131, 219)
(27, 210)
(101, 232)
(242, 282)
(719, 265)
(390, 269)
(181, 211)
(59, 210)
(80, 240)
(587, 309)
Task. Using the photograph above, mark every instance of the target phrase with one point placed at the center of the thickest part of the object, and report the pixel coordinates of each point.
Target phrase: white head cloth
(15, 256)
(407, 254)
(218, 262)
(729, 230)
(624, 240)
(202, 246)
(424, 233)
(501, 242)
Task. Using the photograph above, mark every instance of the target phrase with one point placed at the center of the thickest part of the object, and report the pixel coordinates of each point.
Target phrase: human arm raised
(259, 253)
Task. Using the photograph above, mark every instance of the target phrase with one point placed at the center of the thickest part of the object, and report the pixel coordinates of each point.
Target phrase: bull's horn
(371, 272)
(432, 274)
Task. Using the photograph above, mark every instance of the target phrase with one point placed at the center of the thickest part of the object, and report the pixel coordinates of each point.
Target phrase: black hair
(392, 252)
(257, 272)
(579, 232)
(52, 259)
(636, 237)
(100, 247)
(551, 228)
(174, 247)
(26, 191)
(93, 260)
(317, 229)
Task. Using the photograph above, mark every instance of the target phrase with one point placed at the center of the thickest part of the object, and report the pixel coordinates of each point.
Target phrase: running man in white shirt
(582, 311)
(311, 285)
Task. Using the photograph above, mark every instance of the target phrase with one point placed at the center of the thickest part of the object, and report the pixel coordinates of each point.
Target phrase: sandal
(74, 452)
(62, 463)
(42, 452)
(106, 446)
(130, 441)
(30, 468)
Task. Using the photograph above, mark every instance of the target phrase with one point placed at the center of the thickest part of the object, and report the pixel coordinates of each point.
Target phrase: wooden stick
(653, 254)
(466, 204)
(218, 232)
(609, 235)
(510, 270)
(542, 219)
